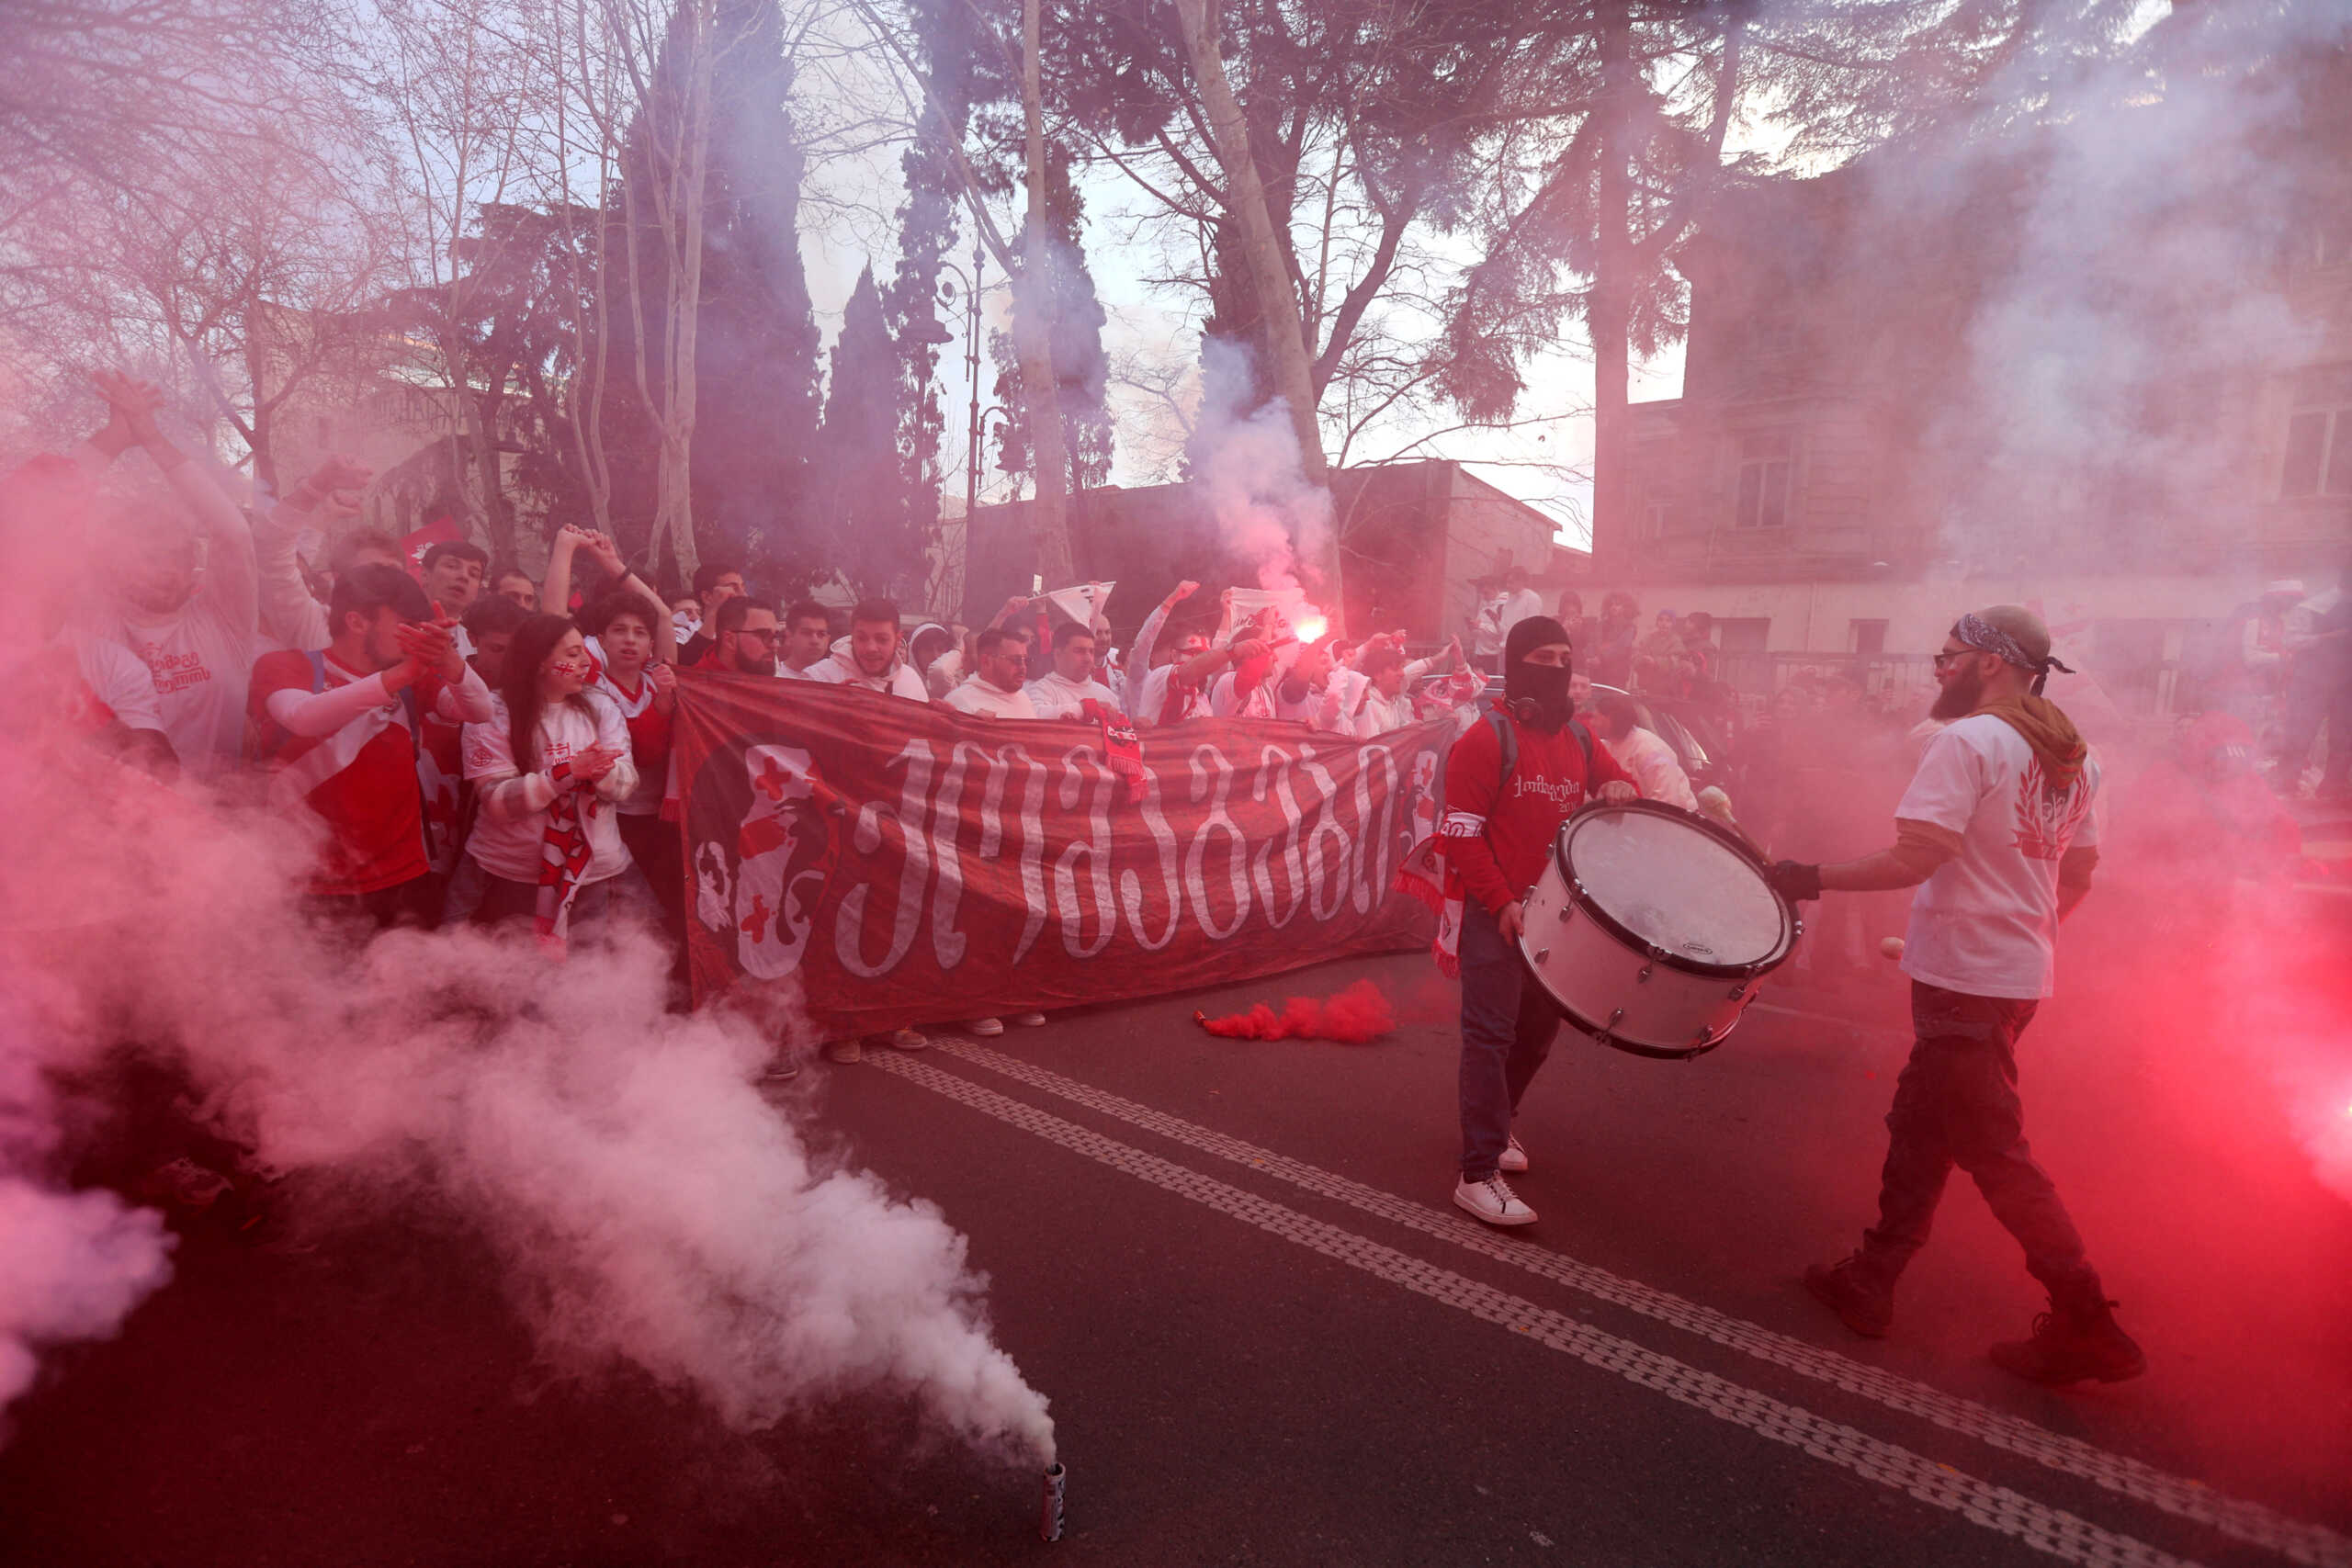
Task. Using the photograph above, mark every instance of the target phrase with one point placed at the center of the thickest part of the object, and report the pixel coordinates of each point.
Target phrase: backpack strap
(1584, 740)
(1506, 741)
(318, 657)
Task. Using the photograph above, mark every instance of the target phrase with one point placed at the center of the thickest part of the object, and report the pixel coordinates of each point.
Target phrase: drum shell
(1607, 988)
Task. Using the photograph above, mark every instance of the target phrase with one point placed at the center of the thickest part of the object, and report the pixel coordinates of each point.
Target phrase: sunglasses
(1943, 660)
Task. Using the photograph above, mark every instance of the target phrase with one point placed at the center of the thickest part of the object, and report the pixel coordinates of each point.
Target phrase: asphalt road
(1269, 1339)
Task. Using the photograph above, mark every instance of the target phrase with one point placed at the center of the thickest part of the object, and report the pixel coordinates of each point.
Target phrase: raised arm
(289, 610)
(230, 573)
(554, 589)
(608, 555)
(1147, 639)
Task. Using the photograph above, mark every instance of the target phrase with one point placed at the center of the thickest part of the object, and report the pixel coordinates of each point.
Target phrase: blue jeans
(1507, 1024)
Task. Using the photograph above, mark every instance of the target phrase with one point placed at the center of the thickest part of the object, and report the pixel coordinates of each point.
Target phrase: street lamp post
(971, 366)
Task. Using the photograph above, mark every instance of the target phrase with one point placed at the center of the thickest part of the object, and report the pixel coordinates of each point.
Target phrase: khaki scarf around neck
(2045, 728)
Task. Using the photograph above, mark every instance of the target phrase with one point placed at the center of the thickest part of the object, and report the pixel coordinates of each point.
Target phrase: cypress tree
(875, 540)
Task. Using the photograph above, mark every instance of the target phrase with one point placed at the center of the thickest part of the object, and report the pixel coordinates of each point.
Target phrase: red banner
(896, 863)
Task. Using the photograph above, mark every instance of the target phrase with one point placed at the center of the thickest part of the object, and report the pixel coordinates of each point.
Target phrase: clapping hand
(432, 645)
(590, 765)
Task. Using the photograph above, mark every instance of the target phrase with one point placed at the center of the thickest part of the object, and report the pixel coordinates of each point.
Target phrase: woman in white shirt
(549, 767)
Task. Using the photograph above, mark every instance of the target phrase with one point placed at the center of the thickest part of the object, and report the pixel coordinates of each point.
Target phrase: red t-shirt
(372, 805)
(648, 727)
(1497, 834)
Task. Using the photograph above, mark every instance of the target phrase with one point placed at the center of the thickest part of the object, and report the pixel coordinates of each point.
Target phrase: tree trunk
(1244, 198)
(673, 516)
(489, 483)
(1609, 312)
(1033, 306)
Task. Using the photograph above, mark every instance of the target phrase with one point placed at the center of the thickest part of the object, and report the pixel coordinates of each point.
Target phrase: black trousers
(1956, 1104)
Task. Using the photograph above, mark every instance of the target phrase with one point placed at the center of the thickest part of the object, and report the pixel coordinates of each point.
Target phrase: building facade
(1912, 386)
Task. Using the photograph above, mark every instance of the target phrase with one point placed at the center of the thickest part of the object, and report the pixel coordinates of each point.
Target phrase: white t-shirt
(978, 696)
(1987, 922)
(509, 846)
(946, 673)
(1054, 697)
(840, 670)
(1499, 613)
(1257, 703)
(1152, 700)
(1377, 714)
(116, 678)
(201, 662)
(1655, 767)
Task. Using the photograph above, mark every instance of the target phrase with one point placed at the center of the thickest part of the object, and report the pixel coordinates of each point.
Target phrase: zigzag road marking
(2311, 1544)
(2045, 1529)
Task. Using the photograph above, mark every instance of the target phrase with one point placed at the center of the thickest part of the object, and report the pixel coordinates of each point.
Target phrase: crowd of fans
(481, 745)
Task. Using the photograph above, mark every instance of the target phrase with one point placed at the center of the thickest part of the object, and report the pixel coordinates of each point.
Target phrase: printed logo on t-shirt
(173, 671)
(1559, 792)
(2046, 822)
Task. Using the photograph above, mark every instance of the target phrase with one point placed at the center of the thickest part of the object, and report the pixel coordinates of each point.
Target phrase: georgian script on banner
(896, 863)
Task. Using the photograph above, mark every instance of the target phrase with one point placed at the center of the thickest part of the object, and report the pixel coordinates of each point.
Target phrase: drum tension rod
(1642, 979)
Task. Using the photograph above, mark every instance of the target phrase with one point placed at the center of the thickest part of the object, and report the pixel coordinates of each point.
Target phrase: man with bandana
(1497, 830)
(1996, 830)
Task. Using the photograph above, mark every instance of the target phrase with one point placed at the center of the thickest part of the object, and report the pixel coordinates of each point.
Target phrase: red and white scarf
(564, 855)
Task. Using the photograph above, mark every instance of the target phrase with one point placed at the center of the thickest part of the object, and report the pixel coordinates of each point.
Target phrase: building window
(1764, 463)
(1654, 520)
(1866, 636)
(2319, 453)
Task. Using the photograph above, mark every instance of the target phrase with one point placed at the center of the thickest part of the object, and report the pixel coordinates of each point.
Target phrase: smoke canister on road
(1049, 1518)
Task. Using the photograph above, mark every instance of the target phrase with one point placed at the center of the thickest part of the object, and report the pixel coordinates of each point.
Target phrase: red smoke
(1356, 1015)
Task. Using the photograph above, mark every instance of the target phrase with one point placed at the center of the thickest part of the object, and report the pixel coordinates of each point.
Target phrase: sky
(1161, 324)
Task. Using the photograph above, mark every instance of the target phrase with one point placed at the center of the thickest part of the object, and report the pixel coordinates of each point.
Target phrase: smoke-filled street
(1267, 1338)
(939, 781)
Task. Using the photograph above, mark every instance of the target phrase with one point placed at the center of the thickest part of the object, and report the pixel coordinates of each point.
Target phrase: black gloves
(1794, 881)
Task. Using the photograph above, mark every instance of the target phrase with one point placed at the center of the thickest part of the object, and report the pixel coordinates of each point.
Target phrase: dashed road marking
(1997, 1508)
(2303, 1542)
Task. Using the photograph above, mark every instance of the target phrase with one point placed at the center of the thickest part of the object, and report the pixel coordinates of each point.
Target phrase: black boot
(2074, 1340)
(1860, 1291)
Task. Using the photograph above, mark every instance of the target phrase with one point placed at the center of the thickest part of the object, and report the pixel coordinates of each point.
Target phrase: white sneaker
(1030, 1019)
(1513, 1158)
(1492, 1201)
(986, 1027)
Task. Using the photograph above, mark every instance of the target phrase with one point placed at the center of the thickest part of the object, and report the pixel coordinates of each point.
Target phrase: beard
(1959, 696)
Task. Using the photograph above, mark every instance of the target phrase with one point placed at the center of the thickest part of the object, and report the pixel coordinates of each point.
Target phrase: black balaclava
(1537, 694)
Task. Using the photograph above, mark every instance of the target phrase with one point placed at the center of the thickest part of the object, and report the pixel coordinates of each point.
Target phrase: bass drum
(1651, 928)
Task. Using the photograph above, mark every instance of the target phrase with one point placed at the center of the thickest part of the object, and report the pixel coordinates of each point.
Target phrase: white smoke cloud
(646, 1204)
(1247, 464)
(2126, 244)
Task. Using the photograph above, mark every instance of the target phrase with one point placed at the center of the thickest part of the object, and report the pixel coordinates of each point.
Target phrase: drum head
(1663, 879)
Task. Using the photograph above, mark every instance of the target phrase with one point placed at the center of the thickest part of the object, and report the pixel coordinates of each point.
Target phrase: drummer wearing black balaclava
(1997, 826)
(1496, 833)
